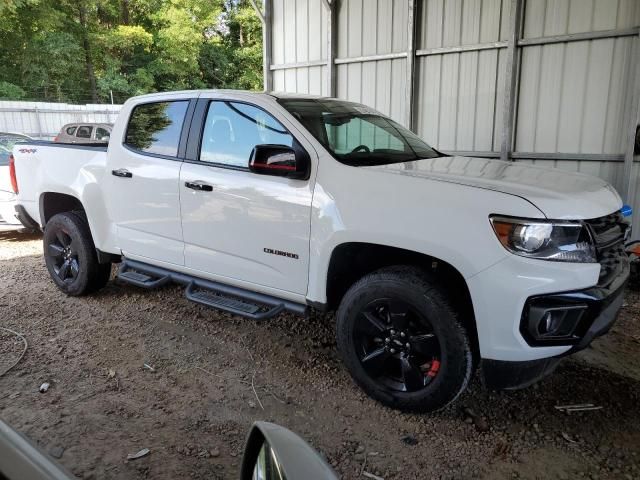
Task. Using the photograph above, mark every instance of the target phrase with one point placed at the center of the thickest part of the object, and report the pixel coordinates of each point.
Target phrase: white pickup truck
(260, 203)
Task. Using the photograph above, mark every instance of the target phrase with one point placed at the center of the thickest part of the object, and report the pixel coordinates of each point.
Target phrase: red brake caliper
(433, 371)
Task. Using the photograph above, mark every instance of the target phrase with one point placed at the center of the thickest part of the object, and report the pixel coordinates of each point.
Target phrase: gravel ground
(194, 409)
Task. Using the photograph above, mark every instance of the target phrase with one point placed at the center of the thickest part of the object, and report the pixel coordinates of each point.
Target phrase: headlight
(548, 240)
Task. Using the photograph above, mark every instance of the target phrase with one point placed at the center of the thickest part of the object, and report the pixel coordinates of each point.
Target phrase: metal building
(551, 82)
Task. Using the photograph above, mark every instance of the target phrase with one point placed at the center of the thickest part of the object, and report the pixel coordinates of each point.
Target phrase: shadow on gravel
(571, 383)
(19, 235)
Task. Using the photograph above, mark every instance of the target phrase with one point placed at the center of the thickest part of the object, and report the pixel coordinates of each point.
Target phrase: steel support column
(511, 79)
(39, 123)
(633, 119)
(332, 45)
(265, 16)
(411, 64)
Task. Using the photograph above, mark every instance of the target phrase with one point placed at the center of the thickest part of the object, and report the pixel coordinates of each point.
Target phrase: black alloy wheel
(402, 341)
(397, 345)
(63, 251)
(70, 255)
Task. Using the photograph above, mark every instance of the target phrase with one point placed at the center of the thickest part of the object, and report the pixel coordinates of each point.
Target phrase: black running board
(138, 279)
(235, 300)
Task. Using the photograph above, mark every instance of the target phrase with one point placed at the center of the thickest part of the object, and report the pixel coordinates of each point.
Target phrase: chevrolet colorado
(259, 203)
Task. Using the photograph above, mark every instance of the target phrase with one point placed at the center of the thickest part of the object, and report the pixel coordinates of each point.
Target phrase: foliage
(126, 40)
(9, 91)
(53, 65)
(64, 50)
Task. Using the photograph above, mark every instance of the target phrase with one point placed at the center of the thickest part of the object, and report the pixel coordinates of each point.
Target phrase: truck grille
(609, 234)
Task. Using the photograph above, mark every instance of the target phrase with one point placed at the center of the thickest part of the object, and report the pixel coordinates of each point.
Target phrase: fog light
(548, 324)
(543, 322)
(552, 321)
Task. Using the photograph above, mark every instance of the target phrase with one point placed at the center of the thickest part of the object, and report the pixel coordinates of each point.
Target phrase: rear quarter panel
(43, 167)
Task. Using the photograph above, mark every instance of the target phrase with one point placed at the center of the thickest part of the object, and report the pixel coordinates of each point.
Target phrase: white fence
(43, 120)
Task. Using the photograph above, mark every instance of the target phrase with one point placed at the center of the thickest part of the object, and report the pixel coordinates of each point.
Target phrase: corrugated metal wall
(572, 94)
(364, 28)
(43, 120)
(299, 38)
(574, 65)
(460, 94)
(575, 98)
(368, 28)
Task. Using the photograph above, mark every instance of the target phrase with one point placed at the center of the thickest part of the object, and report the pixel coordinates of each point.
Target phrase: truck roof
(230, 91)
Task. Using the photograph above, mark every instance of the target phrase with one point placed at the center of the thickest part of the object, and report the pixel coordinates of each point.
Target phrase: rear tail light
(55, 139)
(12, 174)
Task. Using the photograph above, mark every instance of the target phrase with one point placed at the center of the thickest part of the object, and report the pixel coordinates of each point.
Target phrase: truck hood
(558, 194)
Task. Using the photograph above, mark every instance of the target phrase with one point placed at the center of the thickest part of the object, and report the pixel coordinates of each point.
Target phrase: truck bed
(43, 166)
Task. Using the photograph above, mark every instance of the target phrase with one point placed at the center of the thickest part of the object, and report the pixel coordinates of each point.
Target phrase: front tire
(70, 255)
(401, 340)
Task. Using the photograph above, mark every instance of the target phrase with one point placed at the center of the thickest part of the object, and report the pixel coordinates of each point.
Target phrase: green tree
(182, 27)
(9, 91)
(53, 66)
(233, 58)
(64, 50)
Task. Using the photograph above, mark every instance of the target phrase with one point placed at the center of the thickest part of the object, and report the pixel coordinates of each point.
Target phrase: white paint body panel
(437, 207)
(146, 207)
(8, 208)
(227, 230)
(7, 198)
(557, 193)
(39, 170)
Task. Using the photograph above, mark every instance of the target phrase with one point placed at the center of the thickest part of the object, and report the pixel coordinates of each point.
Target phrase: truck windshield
(356, 134)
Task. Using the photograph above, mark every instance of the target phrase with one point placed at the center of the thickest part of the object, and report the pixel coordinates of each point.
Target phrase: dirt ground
(194, 409)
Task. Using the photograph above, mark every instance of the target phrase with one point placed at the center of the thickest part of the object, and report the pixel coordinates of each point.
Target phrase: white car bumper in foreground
(7, 208)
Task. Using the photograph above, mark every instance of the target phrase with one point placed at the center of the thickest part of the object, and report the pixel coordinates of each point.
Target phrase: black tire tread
(97, 274)
(411, 278)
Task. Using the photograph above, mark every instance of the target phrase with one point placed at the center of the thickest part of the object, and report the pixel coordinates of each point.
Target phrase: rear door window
(155, 127)
(84, 131)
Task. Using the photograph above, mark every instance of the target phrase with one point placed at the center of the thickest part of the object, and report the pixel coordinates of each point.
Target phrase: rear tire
(70, 255)
(401, 340)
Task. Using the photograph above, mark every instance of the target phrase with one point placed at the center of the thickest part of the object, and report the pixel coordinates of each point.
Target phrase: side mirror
(280, 160)
(274, 453)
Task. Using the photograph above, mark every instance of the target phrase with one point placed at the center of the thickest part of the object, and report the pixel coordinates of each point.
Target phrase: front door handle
(199, 186)
(122, 172)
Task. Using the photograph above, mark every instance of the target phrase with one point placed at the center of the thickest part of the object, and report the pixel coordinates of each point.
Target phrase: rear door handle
(199, 186)
(122, 172)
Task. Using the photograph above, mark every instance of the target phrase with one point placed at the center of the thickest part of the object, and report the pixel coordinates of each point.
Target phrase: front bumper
(500, 375)
(576, 317)
(499, 295)
(598, 309)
